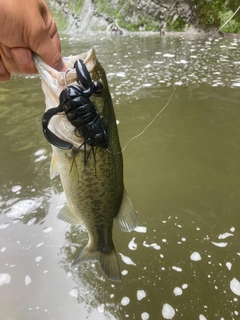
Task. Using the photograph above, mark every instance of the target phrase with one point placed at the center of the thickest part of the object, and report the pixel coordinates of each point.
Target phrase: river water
(182, 173)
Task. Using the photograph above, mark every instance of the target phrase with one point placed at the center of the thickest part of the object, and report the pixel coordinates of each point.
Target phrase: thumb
(50, 54)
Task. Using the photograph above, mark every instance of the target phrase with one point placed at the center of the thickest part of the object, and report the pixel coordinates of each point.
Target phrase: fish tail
(108, 262)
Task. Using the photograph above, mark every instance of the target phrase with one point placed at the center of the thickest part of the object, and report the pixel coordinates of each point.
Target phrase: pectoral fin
(54, 171)
(67, 215)
(127, 216)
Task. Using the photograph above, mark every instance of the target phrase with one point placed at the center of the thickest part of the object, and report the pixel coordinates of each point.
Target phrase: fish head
(54, 82)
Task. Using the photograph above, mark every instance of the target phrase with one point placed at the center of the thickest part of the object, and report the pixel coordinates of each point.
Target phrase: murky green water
(182, 175)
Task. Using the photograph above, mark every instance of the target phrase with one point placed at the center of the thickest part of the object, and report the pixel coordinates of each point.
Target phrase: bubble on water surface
(220, 244)
(235, 286)
(167, 311)
(125, 301)
(184, 286)
(23, 207)
(132, 245)
(38, 259)
(195, 256)
(127, 260)
(141, 294)
(39, 244)
(47, 229)
(4, 225)
(177, 269)
(3, 249)
(16, 188)
(225, 235)
(141, 229)
(144, 316)
(74, 293)
(124, 272)
(201, 317)
(101, 308)
(168, 55)
(177, 291)
(39, 152)
(27, 281)
(5, 278)
(229, 265)
(31, 221)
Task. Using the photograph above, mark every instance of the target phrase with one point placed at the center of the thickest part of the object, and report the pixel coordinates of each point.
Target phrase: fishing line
(175, 87)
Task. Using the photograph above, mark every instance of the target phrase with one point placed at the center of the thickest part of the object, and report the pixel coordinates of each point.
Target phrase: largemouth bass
(92, 178)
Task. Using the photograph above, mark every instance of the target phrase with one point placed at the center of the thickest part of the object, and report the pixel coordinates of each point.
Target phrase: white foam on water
(232, 229)
(127, 260)
(146, 245)
(195, 256)
(141, 229)
(124, 272)
(201, 317)
(74, 293)
(141, 294)
(101, 308)
(47, 229)
(38, 259)
(220, 244)
(111, 295)
(168, 55)
(184, 286)
(167, 311)
(4, 225)
(177, 269)
(235, 286)
(225, 235)
(177, 291)
(132, 245)
(39, 244)
(121, 74)
(41, 158)
(5, 278)
(236, 84)
(3, 249)
(31, 221)
(27, 280)
(144, 316)
(39, 152)
(16, 188)
(155, 246)
(23, 207)
(229, 265)
(125, 301)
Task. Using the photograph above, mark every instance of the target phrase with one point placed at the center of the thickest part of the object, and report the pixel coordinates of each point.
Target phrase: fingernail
(21, 56)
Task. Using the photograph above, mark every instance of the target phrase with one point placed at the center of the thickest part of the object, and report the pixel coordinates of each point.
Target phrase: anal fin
(126, 218)
(67, 215)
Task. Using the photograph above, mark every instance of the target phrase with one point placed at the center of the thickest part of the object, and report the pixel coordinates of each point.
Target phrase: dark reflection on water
(182, 175)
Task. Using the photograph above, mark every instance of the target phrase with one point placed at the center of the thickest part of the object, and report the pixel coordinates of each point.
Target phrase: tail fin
(108, 261)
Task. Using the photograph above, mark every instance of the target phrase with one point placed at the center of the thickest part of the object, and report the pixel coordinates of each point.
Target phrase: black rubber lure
(80, 111)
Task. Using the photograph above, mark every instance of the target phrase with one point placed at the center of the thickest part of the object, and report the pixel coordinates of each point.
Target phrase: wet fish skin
(95, 193)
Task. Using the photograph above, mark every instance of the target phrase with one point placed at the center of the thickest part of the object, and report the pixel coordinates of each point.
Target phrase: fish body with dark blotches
(94, 188)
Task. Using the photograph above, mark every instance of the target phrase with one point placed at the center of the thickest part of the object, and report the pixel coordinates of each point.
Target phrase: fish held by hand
(90, 168)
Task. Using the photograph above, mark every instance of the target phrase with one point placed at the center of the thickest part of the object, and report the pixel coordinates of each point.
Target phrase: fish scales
(94, 188)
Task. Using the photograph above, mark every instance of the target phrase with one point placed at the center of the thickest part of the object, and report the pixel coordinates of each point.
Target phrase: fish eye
(97, 87)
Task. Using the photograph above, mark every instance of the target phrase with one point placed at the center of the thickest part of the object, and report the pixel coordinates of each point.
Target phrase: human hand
(27, 27)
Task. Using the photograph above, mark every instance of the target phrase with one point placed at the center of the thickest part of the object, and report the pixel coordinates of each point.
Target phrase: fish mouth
(63, 79)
